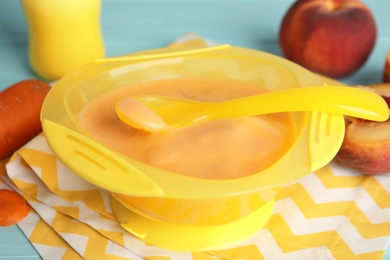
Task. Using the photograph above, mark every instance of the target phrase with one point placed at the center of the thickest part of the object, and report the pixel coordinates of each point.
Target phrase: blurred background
(133, 25)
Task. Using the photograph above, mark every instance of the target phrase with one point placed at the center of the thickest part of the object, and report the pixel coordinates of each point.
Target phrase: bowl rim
(158, 182)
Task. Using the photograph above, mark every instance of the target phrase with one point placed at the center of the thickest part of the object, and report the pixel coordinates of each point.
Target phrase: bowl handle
(325, 138)
(96, 163)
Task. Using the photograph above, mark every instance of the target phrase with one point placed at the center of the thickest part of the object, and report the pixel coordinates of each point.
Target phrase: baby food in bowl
(223, 149)
(199, 187)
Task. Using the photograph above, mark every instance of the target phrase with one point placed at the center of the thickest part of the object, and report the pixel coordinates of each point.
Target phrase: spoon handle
(348, 101)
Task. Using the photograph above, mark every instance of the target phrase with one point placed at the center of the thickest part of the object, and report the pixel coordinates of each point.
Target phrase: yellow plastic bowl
(176, 211)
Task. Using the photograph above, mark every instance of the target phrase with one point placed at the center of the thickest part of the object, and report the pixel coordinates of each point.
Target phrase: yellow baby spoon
(158, 113)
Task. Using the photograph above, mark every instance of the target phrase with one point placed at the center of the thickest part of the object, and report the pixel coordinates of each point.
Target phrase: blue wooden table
(133, 25)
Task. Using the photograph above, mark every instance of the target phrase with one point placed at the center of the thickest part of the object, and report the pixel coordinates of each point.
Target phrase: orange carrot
(13, 207)
(20, 107)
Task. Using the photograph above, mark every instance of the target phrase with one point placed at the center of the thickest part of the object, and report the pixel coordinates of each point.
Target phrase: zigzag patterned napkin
(334, 213)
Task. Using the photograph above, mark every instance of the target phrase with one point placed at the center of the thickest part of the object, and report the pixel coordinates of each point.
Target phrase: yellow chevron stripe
(43, 234)
(48, 165)
(288, 242)
(330, 180)
(97, 244)
(370, 184)
(47, 162)
(27, 188)
(207, 256)
(73, 212)
(158, 258)
(69, 211)
(66, 224)
(310, 209)
(249, 252)
(117, 237)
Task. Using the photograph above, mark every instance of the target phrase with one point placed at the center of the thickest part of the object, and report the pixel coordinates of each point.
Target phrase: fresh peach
(386, 72)
(330, 37)
(366, 145)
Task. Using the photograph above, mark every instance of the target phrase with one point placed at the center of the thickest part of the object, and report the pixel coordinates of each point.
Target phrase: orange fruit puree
(220, 149)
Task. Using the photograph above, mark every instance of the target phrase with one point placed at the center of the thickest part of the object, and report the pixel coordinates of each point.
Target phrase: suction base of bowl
(179, 237)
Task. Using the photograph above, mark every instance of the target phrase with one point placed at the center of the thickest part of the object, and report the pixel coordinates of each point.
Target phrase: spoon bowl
(161, 113)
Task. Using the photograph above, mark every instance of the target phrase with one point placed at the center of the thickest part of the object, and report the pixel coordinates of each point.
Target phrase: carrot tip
(13, 207)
